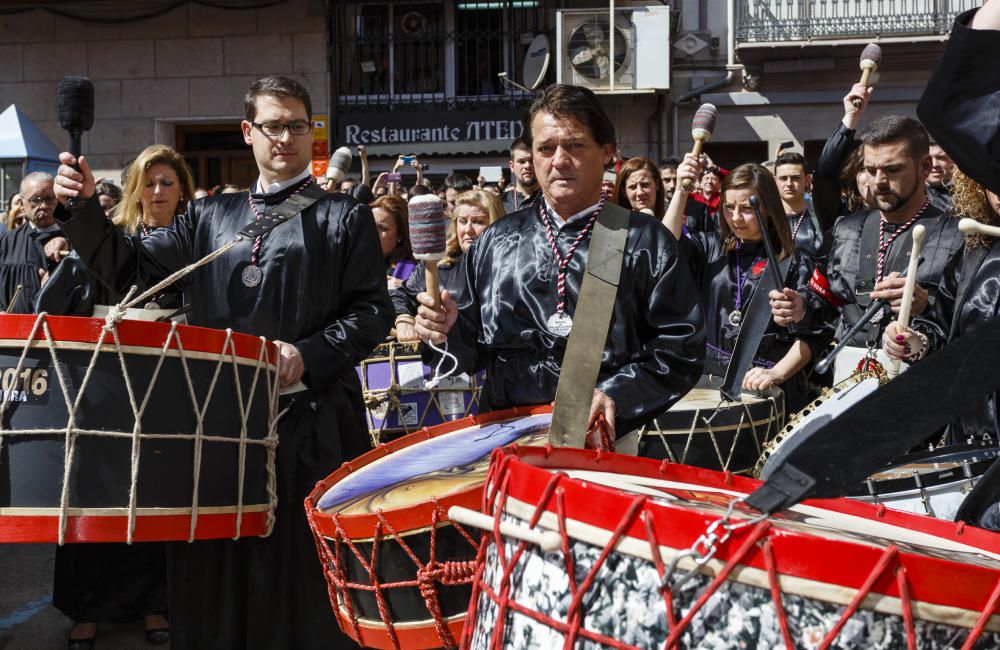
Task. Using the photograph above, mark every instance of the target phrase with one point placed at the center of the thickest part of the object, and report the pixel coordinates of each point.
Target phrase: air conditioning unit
(641, 58)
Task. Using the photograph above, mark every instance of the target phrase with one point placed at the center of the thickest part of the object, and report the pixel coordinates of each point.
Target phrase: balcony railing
(773, 21)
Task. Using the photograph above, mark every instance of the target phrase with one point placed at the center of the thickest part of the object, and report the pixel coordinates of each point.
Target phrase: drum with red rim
(135, 431)
(642, 566)
(398, 571)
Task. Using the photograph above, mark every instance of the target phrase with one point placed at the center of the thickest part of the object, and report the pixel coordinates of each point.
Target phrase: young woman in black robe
(732, 261)
(118, 583)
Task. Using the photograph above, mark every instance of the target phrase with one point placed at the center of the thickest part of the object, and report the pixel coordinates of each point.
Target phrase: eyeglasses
(38, 201)
(277, 129)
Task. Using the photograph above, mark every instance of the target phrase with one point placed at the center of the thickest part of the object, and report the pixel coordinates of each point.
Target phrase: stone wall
(190, 65)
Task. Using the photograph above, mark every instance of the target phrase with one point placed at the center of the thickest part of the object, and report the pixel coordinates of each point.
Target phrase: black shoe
(86, 643)
(156, 636)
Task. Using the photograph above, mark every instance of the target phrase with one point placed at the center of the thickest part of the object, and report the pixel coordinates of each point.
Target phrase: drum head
(434, 468)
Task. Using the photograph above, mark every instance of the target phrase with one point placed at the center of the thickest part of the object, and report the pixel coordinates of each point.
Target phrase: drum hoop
(529, 472)
(405, 518)
(794, 420)
(41, 336)
(17, 329)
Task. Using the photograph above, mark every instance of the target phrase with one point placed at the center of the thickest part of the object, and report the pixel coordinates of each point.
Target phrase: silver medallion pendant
(560, 324)
(252, 275)
(735, 317)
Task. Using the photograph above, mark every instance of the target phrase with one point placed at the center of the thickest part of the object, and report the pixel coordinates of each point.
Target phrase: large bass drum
(931, 482)
(641, 565)
(398, 570)
(134, 431)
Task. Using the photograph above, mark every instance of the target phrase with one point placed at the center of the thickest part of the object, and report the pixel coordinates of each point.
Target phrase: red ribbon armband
(819, 284)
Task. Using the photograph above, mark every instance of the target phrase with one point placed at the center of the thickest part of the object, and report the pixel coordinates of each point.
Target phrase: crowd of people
(343, 274)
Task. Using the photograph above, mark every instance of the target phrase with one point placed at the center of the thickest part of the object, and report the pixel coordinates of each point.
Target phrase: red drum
(647, 562)
(140, 431)
(398, 571)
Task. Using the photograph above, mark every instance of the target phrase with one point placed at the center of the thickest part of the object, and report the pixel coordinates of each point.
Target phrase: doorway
(216, 154)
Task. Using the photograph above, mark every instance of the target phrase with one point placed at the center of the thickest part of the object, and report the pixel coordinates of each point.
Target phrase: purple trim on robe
(403, 269)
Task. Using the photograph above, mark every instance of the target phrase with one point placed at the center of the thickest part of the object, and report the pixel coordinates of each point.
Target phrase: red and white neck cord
(255, 251)
(543, 211)
(883, 245)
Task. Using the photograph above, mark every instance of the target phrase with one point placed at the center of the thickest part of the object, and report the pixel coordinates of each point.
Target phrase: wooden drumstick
(911, 283)
(17, 294)
(973, 227)
(546, 540)
(701, 131)
(871, 57)
(428, 237)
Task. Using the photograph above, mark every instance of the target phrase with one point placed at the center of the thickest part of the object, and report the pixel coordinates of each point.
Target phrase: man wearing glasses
(30, 253)
(315, 285)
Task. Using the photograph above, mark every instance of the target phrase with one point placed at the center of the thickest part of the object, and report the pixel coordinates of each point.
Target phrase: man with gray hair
(30, 253)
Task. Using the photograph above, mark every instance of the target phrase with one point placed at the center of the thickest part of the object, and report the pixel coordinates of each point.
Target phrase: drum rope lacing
(375, 397)
(759, 533)
(746, 421)
(72, 432)
(428, 575)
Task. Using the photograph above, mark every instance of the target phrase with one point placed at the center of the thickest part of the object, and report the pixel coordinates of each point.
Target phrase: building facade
(423, 76)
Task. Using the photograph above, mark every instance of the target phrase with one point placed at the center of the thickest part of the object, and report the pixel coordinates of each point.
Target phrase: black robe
(718, 281)
(22, 255)
(514, 200)
(828, 203)
(324, 290)
(451, 277)
(962, 100)
(980, 303)
(113, 583)
(655, 346)
(839, 296)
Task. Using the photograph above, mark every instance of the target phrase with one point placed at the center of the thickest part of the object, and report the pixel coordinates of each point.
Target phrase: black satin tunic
(22, 256)
(720, 282)
(981, 302)
(451, 277)
(655, 347)
(846, 297)
(324, 290)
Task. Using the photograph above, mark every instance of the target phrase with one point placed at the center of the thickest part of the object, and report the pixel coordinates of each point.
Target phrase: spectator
(474, 211)
(939, 182)
(668, 176)
(454, 185)
(640, 189)
(391, 217)
(525, 190)
(109, 195)
(15, 213)
(608, 184)
(702, 208)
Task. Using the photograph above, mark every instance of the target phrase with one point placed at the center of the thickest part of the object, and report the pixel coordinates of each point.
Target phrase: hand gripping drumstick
(701, 131)
(871, 57)
(973, 227)
(428, 232)
(911, 282)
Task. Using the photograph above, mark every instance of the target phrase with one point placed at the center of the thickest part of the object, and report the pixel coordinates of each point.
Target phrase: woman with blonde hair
(118, 583)
(474, 211)
(158, 188)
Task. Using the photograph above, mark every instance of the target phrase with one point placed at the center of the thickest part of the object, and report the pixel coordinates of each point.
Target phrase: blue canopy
(20, 139)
